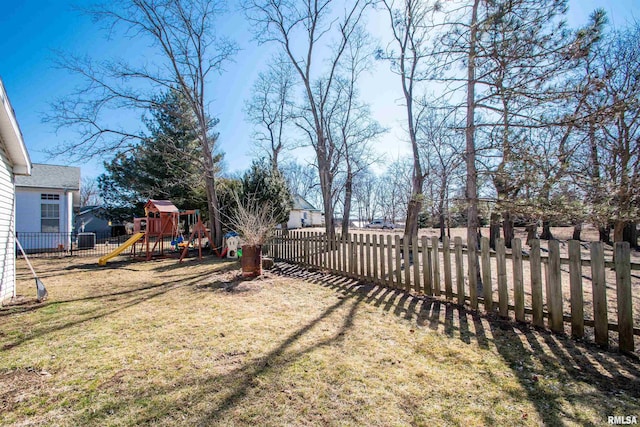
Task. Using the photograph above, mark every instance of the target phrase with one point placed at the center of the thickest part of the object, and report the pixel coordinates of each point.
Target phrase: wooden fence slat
(398, 262)
(518, 279)
(485, 256)
(307, 259)
(389, 261)
(374, 243)
(416, 263)
(368, 272)
(406, 262)
(343, 266)
(501, 268)
(446, 260)
(536, 284)
(335, 250)
(575, 283)
(472, 255)
(435, 263)
(622, 259)
(426, 267)
(361, 262)
(457, 245)
(599, 291)
(349, 254)
(383, 277)
(554, 288)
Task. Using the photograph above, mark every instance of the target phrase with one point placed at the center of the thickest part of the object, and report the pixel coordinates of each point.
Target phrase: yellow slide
(132, 241)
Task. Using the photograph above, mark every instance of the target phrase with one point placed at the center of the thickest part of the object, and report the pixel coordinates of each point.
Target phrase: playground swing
(162, 221)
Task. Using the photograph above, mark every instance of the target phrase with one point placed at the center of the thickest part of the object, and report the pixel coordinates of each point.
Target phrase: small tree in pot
(264, 203)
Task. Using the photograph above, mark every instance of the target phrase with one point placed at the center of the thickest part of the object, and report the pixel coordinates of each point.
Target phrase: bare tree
(410, 23)
(350, 126)
(89, 192)
(182, 35)
(270, 109)
(299, 28)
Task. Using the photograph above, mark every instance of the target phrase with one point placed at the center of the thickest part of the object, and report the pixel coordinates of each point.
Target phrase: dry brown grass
(162, 343)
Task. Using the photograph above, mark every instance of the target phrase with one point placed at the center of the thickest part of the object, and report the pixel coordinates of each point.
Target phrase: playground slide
(132, 241)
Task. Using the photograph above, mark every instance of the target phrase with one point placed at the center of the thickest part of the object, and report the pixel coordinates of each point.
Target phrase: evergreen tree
(163, 166)
(262, 185)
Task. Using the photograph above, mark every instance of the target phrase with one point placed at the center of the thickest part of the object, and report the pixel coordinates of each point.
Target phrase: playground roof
(161, 206)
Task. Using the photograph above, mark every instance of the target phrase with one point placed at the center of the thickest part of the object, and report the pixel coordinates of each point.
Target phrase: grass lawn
(161, 343)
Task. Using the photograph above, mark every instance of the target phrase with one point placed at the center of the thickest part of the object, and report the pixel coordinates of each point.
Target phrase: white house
(44, 205)
(303, 214)
(14, 160)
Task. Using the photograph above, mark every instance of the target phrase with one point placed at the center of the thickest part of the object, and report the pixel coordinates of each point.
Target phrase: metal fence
(69, 244)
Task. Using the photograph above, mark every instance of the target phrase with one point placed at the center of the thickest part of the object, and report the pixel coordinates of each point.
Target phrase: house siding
(28, 202)
(7, 222)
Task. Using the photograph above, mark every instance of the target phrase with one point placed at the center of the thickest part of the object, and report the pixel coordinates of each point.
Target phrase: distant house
(44, 204)
(92, 219)
(14, 161)
(303, 214)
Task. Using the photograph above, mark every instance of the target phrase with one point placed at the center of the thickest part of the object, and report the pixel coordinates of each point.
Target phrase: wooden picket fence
(599, 291)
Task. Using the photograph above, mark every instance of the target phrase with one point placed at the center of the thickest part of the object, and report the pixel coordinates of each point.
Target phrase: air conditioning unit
(86, 240)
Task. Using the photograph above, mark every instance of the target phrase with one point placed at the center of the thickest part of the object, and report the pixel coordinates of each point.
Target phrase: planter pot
(251, 260)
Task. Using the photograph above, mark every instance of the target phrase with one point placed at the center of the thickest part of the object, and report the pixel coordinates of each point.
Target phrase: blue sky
(31, 31)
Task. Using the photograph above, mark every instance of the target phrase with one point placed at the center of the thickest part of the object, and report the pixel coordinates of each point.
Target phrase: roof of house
(51, 176)
(299, 203)
(11, 136)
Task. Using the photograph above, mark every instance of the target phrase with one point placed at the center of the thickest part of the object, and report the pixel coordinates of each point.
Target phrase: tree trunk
(507, 228)
(618, 230)
(546, 230)
(604, 234)
(471, 190)
(630, 234)
(441, 221)
(494, 229)
(532, 232)
(577, 230)
(326, 185)
(348, 191)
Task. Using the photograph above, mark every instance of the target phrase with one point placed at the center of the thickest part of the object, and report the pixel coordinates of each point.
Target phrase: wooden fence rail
(508, 282)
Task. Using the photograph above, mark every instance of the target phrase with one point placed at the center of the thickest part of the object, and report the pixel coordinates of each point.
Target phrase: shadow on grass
(108, 304)
(531, 354)
(245, 378)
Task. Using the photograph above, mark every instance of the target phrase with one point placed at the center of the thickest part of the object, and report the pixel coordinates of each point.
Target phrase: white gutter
(12, 137)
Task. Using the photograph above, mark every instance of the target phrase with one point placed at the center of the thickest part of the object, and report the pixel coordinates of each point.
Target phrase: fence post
(622, 261)
(575, 283)
(599, 290)
(446, 260)
(518, 279)
(457, 245)
(535, 265)
(501, 266)
(486, 274)
(554, 288)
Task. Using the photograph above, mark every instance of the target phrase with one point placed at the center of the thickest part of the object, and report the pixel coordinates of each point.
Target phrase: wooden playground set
(159, 234)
